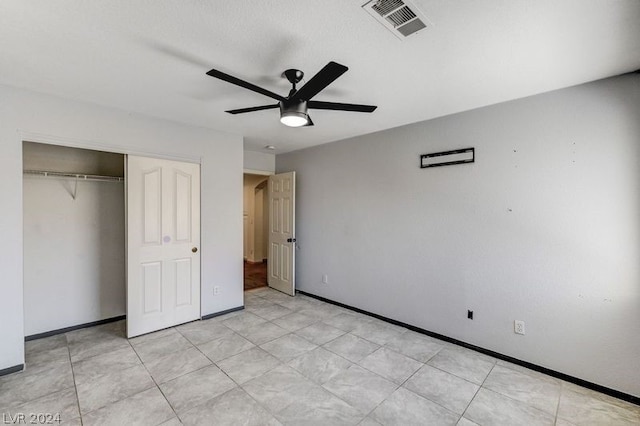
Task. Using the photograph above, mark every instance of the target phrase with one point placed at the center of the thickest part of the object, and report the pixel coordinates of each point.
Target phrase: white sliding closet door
(163, 242)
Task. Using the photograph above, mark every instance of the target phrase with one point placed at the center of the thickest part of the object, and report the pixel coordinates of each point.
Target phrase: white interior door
(282, 228)
(163, 242)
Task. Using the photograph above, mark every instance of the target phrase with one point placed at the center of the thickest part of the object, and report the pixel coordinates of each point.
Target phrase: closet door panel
(163, 239)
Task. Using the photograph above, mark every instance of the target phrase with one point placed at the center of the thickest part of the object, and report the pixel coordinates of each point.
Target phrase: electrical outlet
(216, 290)
(470, 315)
(325, 279)
(518, 327)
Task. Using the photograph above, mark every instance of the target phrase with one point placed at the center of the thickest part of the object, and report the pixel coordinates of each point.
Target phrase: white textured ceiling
(151, 57)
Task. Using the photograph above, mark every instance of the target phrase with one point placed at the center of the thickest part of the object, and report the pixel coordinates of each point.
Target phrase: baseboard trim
(585, 384)
(72, 328)
(11, 370)
(228, 311)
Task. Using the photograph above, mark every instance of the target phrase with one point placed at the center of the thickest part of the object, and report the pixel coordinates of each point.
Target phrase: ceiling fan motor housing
(294, 112)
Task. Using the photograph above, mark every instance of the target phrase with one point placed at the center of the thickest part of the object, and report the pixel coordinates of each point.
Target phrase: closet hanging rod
(79, 176)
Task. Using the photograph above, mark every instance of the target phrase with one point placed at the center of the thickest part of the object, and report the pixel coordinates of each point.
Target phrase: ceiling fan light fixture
(294, 114)
(294, 119)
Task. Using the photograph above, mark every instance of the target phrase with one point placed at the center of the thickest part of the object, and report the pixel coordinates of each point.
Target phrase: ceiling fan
(294, 107)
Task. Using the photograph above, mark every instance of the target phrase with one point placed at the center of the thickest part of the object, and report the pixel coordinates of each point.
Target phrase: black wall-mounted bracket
(448, 158)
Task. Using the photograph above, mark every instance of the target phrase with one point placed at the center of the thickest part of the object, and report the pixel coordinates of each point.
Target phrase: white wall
(261, 162)
(544, 227)
(37, 117)
(73, 253)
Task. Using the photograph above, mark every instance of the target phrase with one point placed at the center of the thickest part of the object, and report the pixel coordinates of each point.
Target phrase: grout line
(154, 381)
(558, 405)
(75, 386)
(477, 391)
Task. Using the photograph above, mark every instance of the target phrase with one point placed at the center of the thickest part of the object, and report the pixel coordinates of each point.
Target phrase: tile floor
(287, 360)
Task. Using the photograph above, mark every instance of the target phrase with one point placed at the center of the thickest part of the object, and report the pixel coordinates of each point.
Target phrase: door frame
(260, 173)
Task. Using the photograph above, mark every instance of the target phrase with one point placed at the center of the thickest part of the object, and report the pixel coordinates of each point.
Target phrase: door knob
(291, 240)
(195, 249)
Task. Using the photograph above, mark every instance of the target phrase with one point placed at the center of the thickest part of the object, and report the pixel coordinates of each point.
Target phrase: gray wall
(544, 227)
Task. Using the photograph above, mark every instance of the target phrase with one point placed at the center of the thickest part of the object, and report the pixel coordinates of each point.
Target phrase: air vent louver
(384, 7)
(399, 17)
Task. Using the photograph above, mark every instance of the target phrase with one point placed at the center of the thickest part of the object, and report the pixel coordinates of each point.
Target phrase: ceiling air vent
(401, 18)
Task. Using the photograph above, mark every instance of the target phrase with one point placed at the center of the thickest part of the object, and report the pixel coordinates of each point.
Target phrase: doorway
(255, 230)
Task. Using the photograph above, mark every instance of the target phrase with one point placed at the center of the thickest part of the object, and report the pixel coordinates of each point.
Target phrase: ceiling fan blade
(340, 106)
(251, 109)
(234, 80)
(322, 79)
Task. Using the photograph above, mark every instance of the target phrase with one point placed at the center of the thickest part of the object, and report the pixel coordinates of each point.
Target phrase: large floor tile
(112, 387)
(414, 345)
(145, 408)
(600, 396)
(288, 347)
(361, 388)
(160, 347)
(467, 422)
(321, 310)
(99, 365)
(276, 296)
(46, 344)
(490, 408)
(464, 364)
(321, 408)
(193, 389)
(295, 321)
(149, 337)
(378, 331)
(584, 409)
(351, 347)
(57, 355)
(347, 321)
(104, 331)
(279, 388)
(33, 383)
(541, 393)
(262, 333)
(444, 388)
(319, 365)
(243, 321)
(223, 348)
(230, 409)
(97, 345)
(174, 421)
(269, 311)
(391, 365)
(248, 364)
(368, 421)
(62, 403)
(320, 333)
(198, 332)
(405, 408)
(176, 364)
(92, 341)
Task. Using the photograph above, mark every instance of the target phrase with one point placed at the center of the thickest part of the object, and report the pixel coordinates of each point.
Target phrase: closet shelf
(78, 176)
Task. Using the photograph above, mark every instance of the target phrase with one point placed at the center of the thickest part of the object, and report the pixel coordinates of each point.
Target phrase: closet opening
(74, 238)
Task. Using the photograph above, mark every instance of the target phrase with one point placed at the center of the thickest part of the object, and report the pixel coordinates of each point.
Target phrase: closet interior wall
(74, 238)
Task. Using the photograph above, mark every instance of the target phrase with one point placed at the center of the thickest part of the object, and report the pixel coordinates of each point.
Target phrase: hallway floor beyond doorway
(255, 275)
